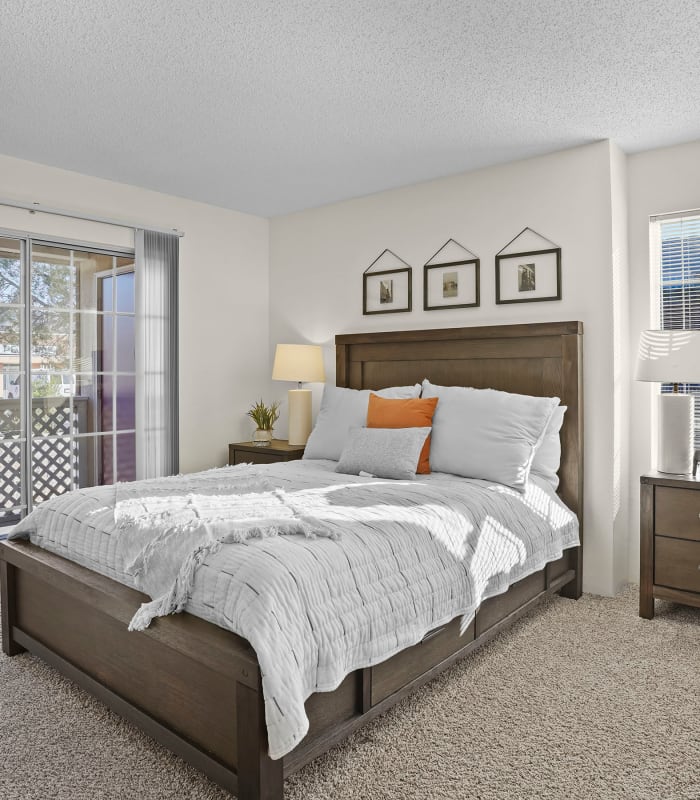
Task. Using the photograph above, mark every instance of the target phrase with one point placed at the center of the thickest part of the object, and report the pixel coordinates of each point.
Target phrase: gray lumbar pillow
(342, 409)
(383, 452)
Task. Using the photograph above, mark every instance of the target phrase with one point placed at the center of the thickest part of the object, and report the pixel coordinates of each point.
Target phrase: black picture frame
(382, 276)
(512, 260)
(427, 306)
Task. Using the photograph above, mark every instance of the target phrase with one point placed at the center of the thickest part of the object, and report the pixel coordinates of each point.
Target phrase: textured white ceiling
(271, 107)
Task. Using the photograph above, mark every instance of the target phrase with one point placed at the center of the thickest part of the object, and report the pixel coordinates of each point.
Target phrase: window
(676, 259)
(67, 371)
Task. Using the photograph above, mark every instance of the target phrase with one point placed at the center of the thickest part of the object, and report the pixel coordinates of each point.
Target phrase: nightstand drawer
(677, 563)
(677, 513)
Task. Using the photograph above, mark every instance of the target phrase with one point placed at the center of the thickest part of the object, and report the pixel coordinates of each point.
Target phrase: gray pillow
(342, 409)
(484, 433)
(547, 458)
(383, 452)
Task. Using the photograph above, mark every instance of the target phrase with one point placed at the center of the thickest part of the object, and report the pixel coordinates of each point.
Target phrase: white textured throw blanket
(191, 517)
(364, 567)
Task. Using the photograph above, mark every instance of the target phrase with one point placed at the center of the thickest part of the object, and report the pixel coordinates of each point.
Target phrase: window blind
(676, 250)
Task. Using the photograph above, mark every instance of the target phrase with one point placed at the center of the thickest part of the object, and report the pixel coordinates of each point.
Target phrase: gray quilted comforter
(363, 567)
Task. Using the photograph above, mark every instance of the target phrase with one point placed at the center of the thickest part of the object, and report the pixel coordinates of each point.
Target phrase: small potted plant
(264, 417)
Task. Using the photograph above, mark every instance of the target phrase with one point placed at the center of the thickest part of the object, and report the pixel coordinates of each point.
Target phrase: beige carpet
(578, 700)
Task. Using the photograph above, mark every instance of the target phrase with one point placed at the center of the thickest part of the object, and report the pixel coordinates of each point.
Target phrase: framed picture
(454, 284)
(387, 291)
(528, 277)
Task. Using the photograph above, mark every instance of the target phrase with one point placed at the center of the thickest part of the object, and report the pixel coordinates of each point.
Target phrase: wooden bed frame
(195, 687)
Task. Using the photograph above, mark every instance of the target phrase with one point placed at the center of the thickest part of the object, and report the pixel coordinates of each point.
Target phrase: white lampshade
(299, 363)
(669, 357)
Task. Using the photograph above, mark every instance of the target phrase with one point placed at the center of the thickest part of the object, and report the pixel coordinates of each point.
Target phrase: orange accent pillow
(418, 413)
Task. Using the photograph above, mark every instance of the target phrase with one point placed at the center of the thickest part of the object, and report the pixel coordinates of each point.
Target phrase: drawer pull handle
(431, 634)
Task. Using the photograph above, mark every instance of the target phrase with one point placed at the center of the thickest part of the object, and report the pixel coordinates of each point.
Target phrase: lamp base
(299, 416)
(675, 442)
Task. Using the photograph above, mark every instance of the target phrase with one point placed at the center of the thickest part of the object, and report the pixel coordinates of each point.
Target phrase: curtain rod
(38, 208)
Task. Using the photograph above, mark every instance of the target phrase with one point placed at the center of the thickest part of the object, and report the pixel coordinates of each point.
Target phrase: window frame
(689, 302)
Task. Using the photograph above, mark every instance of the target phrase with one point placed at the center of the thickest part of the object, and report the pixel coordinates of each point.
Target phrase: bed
(196, 687)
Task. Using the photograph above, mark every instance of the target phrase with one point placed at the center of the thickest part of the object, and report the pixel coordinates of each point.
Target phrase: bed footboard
(191, 686)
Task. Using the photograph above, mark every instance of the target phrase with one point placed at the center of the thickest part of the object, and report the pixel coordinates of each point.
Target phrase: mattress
(364, 567)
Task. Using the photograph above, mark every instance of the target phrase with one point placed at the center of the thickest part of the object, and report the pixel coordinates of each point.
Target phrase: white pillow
(342, 409)
(484, 433)
(383, 452)
(547, 458)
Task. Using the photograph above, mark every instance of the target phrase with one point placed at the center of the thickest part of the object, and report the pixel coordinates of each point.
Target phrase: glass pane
(51, 414)
(10, 404)
(125, 291)
(10, 374)
(10, 381)
(89, 460)
(50, 340)
(54, 467)
(107, 445)
(126, 358)
(88, 342)
(10, 479)
(10, 333)
(126, 457)
(126, 403)
(64, 278)
(106, 294)
(87, 404)
(81, 414)
(106, 337)
(106, 382)
(10, 271)
(89, 270)
(51, 277)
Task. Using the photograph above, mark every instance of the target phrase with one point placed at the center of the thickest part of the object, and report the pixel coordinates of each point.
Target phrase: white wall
(659, 182)
(224, 258)
(317, 258)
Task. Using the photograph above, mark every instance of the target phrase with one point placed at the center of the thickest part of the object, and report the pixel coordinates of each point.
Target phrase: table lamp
(672, 357)
(299, 363)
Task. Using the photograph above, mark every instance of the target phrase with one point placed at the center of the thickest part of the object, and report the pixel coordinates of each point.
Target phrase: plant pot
(262, 438)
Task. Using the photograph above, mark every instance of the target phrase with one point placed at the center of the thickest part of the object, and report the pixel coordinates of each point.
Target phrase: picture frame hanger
(532, 230)
(531, 275)
(453, 284)
(387, 291)
(381, 255)
(447, 263)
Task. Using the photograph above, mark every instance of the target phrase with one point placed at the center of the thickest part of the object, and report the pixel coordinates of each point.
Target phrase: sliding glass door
(67, 398)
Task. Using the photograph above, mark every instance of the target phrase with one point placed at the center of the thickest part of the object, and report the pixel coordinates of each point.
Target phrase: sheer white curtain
(157, 437)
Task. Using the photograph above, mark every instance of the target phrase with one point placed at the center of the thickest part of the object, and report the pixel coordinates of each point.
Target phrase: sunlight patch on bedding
(446, 525)
(539, 501)
(498, 551)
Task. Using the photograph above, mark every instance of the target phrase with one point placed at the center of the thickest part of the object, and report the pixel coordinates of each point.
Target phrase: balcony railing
(59, 463)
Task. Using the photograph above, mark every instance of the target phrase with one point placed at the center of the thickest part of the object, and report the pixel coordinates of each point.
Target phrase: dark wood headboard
(543, 359)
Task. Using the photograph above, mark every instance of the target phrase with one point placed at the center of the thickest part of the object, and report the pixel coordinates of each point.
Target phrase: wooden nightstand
(278, 450)
(670, 541)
